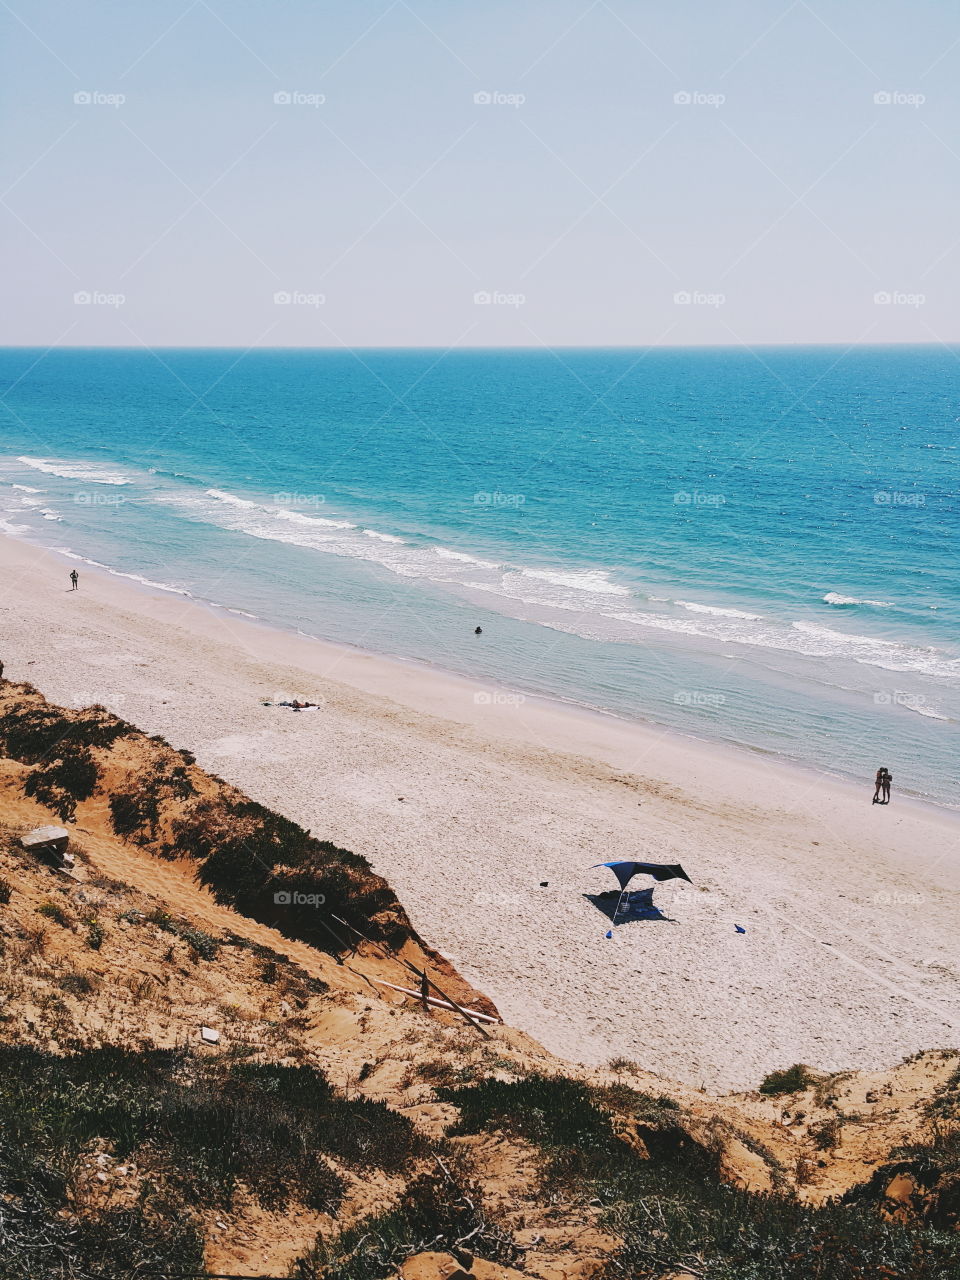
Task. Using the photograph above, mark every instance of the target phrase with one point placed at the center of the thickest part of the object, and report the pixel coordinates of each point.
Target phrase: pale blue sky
(782, 209)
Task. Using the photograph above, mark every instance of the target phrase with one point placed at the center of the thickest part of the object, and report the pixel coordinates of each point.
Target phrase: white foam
(384, 537)
(48, 513)
(446, 554)
(833, 597)
(715, 610)
(25, 488)
(70, 471)
(118, 573)
(279, 513)
(596, 581)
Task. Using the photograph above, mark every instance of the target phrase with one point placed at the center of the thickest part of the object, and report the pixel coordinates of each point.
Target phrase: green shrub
(36, 732)
(5, 890)
(203, 945)
(793, 1080)
(95, 934)
(63, 783)
(134, 813)
(53, 911)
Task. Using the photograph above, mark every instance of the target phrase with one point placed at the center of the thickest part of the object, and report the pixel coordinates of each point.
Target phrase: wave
(70, 471)
(446, 554)
(833, 597)
(715, 610)
(804, 638)
(596, 581)
(25, 488)
(384, 537)
(279, 513)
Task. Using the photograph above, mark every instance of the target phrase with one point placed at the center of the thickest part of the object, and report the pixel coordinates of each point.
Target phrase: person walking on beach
(74, 579)
(887, 779)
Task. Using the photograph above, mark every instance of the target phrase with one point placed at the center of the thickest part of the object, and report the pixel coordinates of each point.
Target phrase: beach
(486, 809)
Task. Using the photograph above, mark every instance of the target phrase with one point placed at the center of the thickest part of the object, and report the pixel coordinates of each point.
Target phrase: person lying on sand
(295, 704)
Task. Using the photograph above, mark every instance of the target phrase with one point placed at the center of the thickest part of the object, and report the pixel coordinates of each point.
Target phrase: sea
(752, 546)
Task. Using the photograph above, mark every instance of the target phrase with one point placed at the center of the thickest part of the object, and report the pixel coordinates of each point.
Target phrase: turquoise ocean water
(755, 547)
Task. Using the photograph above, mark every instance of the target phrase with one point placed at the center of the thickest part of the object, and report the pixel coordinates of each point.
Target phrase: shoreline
(333, 649)
(488, 815)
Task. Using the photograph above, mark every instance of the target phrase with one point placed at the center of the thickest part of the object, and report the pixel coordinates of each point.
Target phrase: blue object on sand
(609, 933)
(739, 928)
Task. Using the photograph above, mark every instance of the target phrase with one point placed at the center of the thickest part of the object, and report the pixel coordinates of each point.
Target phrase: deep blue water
(759, 547)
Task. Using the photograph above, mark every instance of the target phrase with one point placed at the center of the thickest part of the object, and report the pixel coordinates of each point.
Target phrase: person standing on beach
(74, 579)
(883, 780)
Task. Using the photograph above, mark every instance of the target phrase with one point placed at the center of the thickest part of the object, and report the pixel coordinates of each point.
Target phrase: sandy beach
(486, 810)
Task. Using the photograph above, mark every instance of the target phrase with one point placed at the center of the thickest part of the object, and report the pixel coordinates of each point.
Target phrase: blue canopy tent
(625, 871)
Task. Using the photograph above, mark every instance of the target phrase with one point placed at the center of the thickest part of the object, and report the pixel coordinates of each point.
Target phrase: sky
(533, 173)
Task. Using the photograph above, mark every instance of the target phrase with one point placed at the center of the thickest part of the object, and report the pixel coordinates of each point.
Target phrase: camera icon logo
(683, 98)
(282, 98)
(883, 98)
(82, 98)
(483, 98)
(281, 299)
(282, 898)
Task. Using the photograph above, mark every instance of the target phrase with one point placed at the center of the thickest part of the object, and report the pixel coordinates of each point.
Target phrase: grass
(53, 911)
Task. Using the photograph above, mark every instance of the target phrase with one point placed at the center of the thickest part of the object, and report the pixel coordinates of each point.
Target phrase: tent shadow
(636, 905)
